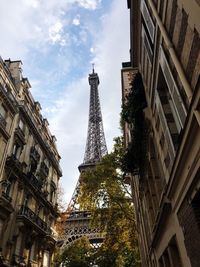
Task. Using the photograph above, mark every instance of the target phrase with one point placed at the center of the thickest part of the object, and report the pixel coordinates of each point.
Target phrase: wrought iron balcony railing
(34, 181)
(13, 162)
(34, 219)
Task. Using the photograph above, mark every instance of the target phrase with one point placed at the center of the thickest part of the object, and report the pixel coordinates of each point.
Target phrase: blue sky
(57, 41)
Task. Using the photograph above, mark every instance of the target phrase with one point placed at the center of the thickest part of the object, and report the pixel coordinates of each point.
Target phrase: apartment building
(29, 174)
(165, 53)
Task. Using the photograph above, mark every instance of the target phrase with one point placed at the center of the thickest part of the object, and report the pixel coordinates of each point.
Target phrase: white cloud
(55, 32)
(26, 24)
(71, 119)
(32, 24)
(32, 3)
(89, 4)
(76, 20)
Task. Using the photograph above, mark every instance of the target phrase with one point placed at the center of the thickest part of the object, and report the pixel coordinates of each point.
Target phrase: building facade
(29, 174)
(165, 51)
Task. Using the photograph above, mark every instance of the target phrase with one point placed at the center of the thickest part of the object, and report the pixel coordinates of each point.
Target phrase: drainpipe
(179, 69)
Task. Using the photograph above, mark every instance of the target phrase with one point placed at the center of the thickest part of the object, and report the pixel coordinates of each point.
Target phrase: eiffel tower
(76, 222)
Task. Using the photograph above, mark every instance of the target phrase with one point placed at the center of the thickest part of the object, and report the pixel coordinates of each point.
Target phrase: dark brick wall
(191, 231)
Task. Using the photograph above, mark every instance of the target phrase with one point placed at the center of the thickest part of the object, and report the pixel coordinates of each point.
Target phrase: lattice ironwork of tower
(77, 222)
(96, 143)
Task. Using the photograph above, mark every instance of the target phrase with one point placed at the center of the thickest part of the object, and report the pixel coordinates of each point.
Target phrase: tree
(105, 194)
(132, 113)
(79, 254)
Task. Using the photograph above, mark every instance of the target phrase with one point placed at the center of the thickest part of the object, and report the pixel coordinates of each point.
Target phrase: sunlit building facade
(165, 50)
(29, 174)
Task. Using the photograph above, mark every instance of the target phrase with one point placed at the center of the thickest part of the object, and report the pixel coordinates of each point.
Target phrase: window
(147, 45)
(164, 125)
(2, 111)
(33, 166)
(175, 100)
(17, 150)
(21, 125)
(34, 251)
(26, 201)
(52, 194)
(171, 256)
(162, 140)
(148, 21)
(196, 208)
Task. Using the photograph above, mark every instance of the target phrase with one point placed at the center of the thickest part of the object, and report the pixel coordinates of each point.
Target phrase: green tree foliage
(79, 254)
(132, 113)
(104, 193)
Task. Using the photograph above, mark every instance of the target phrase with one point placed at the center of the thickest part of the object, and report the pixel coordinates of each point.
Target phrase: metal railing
(33, 180)
(35, 219)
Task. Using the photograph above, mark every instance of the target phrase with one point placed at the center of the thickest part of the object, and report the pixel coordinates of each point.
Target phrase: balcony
(14, 163)
(5, 199)
(33, 180)
(34, 154)
(31, 218)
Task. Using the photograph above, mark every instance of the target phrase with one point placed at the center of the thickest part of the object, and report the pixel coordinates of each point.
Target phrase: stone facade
(165, 50)
(29, 174)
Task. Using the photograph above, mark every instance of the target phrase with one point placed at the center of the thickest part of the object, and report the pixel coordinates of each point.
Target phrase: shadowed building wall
(29, 174)
(165, 47)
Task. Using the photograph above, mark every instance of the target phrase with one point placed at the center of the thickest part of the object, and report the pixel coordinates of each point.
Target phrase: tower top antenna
(93, 68)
